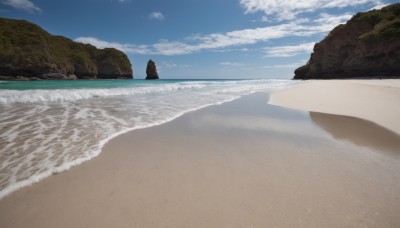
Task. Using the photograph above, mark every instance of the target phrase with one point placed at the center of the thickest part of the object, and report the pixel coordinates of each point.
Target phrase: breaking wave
(45, 131)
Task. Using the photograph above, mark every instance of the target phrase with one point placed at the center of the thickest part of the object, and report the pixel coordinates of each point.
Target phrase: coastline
(117, 106)
(242, 163)
(373, 100)
(94, 153)
(228, 143)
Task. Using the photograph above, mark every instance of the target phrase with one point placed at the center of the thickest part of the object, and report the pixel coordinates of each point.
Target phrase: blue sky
(197, 38)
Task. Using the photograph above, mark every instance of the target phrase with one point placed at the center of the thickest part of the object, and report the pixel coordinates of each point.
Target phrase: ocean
(47, 127)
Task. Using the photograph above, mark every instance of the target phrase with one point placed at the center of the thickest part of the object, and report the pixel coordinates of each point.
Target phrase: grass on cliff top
(386, 22)
(388, 13)
(19, 39)
(22, 42)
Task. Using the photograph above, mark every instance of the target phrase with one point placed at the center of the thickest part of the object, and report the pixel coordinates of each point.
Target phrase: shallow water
(359, 132)
(50, 126)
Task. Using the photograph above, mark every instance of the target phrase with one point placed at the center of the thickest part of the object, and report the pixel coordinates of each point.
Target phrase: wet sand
(240, 164)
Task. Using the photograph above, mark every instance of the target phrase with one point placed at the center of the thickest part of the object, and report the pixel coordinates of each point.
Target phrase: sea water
(49, 126)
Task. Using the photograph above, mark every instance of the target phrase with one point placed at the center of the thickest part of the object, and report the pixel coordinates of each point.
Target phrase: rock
(3, 78)
(71, 77)
(28, 51)
(368, 45)
(151, 70)
(53, 76)
(112, 62)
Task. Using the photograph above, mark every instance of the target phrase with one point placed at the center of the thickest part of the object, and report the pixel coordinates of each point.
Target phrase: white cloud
(174, 65)
(169, 65)
(325, 18)
(264, 19)
(379, 6)
(288, 65)
(157, 16)
(287, 51)
(23, 5)
(289, 9)
(128, 48)
(231, 50)
(231, 64)
(233, 40)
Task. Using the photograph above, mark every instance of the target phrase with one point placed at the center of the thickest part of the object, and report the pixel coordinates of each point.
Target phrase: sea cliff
(28, 52)
(368, 45)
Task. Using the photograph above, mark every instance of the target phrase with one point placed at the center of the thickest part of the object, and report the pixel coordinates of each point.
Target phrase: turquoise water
(90, 84)
(78, 84)
(49, 126)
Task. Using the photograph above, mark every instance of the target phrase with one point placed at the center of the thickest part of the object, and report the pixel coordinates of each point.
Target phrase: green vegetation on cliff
(28, 50)
(386, 23)
(367, 45)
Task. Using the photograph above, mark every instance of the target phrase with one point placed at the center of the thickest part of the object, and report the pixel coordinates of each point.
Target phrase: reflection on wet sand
(358, 131)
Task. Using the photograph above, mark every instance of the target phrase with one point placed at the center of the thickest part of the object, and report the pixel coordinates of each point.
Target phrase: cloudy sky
(197, 38)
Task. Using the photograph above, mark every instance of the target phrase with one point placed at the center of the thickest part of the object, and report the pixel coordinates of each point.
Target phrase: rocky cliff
(29, 52)
(368, 45)
(151, 70)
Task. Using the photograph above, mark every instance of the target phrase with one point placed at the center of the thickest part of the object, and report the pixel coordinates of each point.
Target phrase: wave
(14, 186)
(65, 134)
(57, 95)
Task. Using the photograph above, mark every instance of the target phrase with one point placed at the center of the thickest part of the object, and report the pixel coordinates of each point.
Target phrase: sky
(197, 39)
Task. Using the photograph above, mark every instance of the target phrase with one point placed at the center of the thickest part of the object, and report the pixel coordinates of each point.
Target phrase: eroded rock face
(27, 52)
(112, 63)
(151, 70)
(368, 45)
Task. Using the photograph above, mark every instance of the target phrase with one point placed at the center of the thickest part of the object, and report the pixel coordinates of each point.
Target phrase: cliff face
(29, 52)
(367, 45)
(151, 70)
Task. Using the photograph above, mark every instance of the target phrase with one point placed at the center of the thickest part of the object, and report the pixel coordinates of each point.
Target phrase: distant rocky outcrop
(368, 45)
(151, 70)
(28, 52)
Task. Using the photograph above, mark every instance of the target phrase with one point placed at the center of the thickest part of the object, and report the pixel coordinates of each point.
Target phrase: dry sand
(240, 164)
(374, 100)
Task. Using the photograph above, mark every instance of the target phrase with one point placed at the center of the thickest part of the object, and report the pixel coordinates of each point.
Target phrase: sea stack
(368, 45)
(151, 70)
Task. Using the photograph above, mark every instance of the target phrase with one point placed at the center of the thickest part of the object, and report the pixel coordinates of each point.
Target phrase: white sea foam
(49, 131)
(57, 95)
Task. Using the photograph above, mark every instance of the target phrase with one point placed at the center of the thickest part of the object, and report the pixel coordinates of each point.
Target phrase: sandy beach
(374, 100)
(156, 114)
(240, 164)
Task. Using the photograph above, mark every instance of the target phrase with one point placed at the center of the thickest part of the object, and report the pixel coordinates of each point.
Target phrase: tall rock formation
(29, 52)
(367, 45)
(151, 70)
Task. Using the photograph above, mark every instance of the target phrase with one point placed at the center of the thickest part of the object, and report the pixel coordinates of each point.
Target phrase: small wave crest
(58, 95)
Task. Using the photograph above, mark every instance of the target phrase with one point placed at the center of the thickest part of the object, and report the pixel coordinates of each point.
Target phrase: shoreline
(115, 116)
(67, 166)
(242, 163)
(373, 100)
